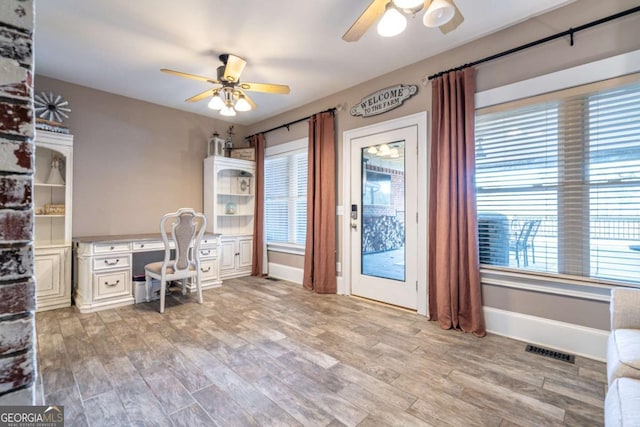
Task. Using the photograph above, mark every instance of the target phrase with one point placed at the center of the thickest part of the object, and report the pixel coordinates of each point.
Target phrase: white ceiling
(119, 46)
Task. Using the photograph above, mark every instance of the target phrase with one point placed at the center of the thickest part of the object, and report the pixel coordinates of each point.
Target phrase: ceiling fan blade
(365, 20)
(455, 21)
(200, 96)
(265, 87)
(189, 76)
(233, 68)
(249, 100)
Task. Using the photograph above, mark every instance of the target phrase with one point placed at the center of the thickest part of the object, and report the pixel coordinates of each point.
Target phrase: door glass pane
(383, 211)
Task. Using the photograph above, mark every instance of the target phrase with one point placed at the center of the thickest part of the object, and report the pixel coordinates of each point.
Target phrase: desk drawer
(148, 246)
(208, 270)
(112, 262)
(209, 242)
(112, 284)
(207, 253)
(103, 248)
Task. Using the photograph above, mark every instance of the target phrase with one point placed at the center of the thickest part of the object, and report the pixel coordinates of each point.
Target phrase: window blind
(286, 197)
(558, 184)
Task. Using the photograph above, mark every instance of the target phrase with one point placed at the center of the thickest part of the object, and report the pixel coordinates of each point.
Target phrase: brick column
(17, 286)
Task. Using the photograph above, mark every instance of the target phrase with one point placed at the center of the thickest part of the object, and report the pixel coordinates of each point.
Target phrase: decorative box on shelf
(243, 185)
(54, 209)
(243, 154)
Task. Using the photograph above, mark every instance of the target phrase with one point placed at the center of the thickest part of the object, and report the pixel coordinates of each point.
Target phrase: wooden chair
(185, 228)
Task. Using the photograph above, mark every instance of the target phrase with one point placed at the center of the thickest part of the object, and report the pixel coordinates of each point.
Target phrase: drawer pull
(205, 253)
(205, 271)
(142, 246)
(112, 248)
(106, 261)
(111, 285)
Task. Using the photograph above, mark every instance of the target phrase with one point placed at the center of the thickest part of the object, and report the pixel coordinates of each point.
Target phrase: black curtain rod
(286, 125)
(570, 32)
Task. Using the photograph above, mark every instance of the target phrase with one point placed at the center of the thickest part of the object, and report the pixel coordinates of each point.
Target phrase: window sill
(551, 284)
(286, 248)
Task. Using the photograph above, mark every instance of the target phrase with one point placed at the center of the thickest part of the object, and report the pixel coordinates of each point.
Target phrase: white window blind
(558, 184)
(286, 197)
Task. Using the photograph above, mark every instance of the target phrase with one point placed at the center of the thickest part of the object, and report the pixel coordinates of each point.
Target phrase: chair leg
(163, 283)
(199, 288)
(525, 257)
(533, 253)
(184, 286)
(148, 279)
(517, 257)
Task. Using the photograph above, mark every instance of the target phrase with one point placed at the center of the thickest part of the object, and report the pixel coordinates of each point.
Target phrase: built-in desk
(104, 267)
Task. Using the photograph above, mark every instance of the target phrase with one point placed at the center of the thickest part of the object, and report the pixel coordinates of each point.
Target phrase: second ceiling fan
(438, 13)
(228, 93)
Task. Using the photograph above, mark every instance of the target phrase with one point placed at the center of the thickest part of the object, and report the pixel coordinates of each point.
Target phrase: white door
(245, 251)
(383, 216)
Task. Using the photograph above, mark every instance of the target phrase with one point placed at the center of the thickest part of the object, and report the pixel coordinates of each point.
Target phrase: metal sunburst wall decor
(51, 107)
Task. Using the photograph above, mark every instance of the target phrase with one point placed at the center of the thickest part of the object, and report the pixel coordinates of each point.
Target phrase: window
(558, 182)
(285, 172)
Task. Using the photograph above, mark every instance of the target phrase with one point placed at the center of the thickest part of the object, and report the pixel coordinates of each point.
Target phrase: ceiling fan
(438, 13)
(228, 93)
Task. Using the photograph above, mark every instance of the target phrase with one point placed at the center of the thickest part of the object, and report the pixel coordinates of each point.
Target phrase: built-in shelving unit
(229, 200)
(53, 184)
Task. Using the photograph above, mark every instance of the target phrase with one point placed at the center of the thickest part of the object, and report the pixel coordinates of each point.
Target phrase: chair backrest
(535, 225)
(519, 229)
(186, 228)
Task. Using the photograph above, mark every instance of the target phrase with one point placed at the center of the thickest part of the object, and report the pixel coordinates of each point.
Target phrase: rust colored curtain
(455, 299)
(320, 249)
(257, 267)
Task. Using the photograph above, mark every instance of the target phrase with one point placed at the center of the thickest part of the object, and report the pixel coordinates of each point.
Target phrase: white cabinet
(229, 200)
(235, 256)
(53, 184)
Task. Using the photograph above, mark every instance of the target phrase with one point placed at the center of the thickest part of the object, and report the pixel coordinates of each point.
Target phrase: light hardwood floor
(259, 352)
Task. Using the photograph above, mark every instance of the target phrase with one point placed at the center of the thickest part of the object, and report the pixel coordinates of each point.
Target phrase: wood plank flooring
(265, 353)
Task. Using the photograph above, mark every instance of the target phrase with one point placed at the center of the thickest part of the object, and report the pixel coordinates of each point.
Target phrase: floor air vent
(273, 279)
(565, 357)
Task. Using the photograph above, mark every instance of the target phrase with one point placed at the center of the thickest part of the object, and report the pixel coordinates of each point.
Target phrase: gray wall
(133, 161)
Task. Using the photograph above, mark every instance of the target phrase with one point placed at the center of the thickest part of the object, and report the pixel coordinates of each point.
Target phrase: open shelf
(234, 195)
(44, 184)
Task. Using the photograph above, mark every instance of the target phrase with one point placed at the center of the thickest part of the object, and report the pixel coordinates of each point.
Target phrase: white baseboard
(285, 272)
(573, 339)
(340, 290)
(295, 275)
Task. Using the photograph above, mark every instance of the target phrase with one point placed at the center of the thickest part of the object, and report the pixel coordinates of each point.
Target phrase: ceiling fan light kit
(391, 17)
(409, 4)
(228, 111)
(392, 22)
(438, 13)
(227, 95)
(216, 102)
(242, 104)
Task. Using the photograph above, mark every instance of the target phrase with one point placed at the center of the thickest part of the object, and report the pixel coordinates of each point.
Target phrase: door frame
(419, 120)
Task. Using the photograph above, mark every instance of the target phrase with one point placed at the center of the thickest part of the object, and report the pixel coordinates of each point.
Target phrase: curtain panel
(258, 262)
(320, 247)
(455, 299)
